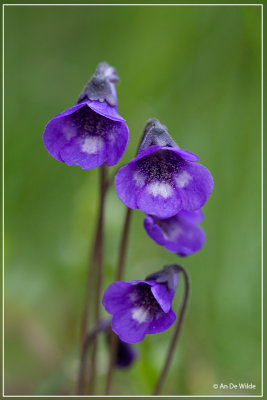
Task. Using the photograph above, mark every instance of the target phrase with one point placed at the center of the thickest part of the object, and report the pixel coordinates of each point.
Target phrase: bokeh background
(197, 69)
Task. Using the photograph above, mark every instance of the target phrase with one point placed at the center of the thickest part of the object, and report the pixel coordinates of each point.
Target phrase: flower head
(126, 354)
(142, 307)
(179, 234)
(91, 132)
(163, 179)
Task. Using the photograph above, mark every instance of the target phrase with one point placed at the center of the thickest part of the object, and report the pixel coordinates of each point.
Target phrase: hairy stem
(119, 274)
(176, 334)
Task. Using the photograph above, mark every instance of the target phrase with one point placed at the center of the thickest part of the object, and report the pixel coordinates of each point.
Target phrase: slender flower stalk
(113, 350)
(103, 187)
(95, 265)
(119, 275)
(86, 311)
(125, 355)
(88, 340)
(123, 245)
(89, 286)
(176, 334)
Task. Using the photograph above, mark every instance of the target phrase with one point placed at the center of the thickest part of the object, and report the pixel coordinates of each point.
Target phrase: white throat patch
(139, 179)
(92, 145)
(183, 179)
(160, 189)
(139, 314)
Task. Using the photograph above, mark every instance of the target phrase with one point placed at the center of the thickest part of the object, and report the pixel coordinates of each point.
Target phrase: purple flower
(163, 179)
(142, 307)
(126, 354)
(179, 234)
(91, 132)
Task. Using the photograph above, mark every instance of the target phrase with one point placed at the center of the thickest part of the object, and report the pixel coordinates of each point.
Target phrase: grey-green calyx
(101, 85)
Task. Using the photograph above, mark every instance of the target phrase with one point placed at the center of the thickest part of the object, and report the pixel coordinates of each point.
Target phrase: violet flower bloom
(126, 354)
(179, 234)
(163, 179)
(142, 307)
(91, 132)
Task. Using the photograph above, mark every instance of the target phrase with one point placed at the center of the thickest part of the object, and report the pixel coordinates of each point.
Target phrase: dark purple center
(160, 165)
(86, 122)
(143, 297)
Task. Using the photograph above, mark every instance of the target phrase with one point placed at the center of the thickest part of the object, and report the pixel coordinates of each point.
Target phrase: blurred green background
(197, 69)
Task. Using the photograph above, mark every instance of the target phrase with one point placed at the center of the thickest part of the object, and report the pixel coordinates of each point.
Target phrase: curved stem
(119, 274)
(175, 337)
(89, 338)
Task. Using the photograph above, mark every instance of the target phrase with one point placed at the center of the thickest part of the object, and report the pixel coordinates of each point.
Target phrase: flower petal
(103, 108)
(185, 154)
(54, 139)
(131, 326)
(153, 230)
(87, 152)
(195, 217)
(117, 141)
(149, 150)
(70, 110)
(167, 230)
(194, 184)
(128, 182)
(163, 296)
(59, 131)
(159, 199)
(117, 297)
(149, 283)
(161, 321)
(176, 234)
(190, 241)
